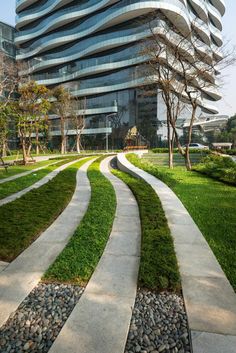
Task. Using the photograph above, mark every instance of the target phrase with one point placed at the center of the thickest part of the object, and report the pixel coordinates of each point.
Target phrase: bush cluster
(218, 167)
(192, 150)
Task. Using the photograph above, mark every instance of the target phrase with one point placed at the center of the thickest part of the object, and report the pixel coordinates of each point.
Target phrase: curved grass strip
(158, 264)
(23, 182)
(79, 259)
(212, 205)
(17, 169)
(24, 219)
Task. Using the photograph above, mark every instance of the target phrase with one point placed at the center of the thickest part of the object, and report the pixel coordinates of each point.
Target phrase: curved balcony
(105, 42)
(116, 14)
(216, 34)
(219, 5)
(58, 19)
(201, 28)
(215, 16)
(200, 8)
(22, 4)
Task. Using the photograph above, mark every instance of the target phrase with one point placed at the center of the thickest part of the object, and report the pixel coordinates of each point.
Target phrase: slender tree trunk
(63, 136)
(4, 147)
(190, 129)
(78, 144)
(37, 140)
(24, 150)
(170, 151)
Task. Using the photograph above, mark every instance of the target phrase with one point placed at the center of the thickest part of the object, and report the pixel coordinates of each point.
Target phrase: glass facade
(7, 39)
(92, 47)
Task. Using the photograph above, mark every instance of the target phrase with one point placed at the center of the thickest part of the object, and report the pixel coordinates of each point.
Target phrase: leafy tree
(31, 115)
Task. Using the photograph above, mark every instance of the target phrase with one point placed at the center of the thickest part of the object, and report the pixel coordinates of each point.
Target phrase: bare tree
(184, 71)
(8, 85)
(62, 107)
(77, 116)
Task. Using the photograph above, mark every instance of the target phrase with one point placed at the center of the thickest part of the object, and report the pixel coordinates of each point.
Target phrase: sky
(227, 105)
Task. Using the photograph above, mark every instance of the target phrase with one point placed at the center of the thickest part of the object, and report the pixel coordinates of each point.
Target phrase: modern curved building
(92, 47)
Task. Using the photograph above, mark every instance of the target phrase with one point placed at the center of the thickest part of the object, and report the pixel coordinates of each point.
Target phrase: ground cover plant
(218, 167)
(23, 182)
(212, 205)
(79, 259)
(23, 220)
(16, 169)
(158, 265)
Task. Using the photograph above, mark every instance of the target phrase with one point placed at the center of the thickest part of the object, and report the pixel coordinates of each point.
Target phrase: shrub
(218, 167)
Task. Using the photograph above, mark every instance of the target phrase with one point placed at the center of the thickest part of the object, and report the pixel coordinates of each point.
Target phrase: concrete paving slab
(204, 342)
(209, 298)
(3, 265)
(37, 185)
(197, 260)
(98, 325)
(100, 321)
(187, 234)
(116, 275)
(210, 304)
(22, 275)
(127, 241)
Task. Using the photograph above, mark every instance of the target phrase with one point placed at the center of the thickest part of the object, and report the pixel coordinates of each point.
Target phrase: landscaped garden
(211, 204)
(24, 219)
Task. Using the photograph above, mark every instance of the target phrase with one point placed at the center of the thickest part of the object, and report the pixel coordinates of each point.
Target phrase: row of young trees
(25, 106)
(178, 65)
(183, 70)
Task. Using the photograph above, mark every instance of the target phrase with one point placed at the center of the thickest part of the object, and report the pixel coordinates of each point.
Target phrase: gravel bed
(158, 324)
(39, 319)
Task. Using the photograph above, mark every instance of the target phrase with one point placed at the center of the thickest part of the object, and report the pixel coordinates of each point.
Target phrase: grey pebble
(39, 319)
(158, 324)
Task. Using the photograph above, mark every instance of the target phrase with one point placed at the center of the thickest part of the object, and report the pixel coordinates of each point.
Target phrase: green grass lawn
(24, 219)
(158, 265)
(13, 186)
(212, 205)
(23, 182)
(79, 259)
(16, 169)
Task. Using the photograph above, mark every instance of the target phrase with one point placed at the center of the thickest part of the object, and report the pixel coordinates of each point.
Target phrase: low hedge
(219, 168)
(191, 150)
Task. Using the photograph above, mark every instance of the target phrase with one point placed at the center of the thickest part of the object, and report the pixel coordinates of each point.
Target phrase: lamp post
(107, 135)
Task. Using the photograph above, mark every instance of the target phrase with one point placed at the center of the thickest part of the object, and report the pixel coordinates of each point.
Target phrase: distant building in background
(7, 45)
(93, 49)
(8, 52)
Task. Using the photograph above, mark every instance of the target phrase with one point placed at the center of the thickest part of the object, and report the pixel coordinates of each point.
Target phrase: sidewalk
(209, 298)
(19, 278)
(100, 321)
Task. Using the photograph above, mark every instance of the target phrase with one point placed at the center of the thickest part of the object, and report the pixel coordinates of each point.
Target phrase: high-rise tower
(92, 47)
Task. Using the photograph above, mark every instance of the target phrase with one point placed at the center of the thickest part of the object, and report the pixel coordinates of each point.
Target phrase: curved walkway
(36, 185)
(100, 321)
(19, 175)
(22, 275)
(209, 298)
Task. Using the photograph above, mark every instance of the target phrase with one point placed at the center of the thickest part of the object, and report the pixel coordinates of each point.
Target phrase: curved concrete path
(100, 321)
(36, 185)
(19, 175)
(209, 298)
(23, 274)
